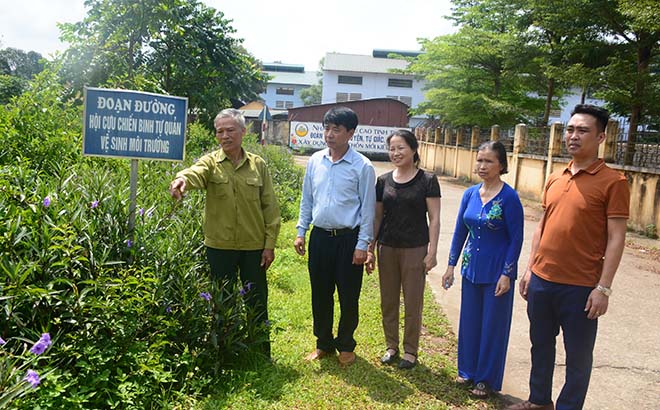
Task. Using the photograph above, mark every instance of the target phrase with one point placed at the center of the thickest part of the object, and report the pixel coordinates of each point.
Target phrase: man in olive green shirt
(242, 218)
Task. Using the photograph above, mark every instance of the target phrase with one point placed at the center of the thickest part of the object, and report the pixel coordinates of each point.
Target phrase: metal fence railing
(484, 135)
(538, 139)
(644, 152)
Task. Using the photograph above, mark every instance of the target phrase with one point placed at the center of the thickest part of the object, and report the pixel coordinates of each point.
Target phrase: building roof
(383, 53)
(290, 68)
(361, 63)
(252, 110)
(306, 78)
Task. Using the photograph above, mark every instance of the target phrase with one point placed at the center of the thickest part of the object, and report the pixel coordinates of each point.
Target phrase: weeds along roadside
(135, 335)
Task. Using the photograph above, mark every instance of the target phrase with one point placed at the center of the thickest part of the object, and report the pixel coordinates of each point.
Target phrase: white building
(287, 80)
(350, 77)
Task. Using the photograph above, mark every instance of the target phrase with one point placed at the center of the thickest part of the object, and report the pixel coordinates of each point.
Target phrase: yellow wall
(530, 179)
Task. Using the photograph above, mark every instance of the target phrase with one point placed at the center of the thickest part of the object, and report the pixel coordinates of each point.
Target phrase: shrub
(125, 307)
(39, 127)
(287, 177)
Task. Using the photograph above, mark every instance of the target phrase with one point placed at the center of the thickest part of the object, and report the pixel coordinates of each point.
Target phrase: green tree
(555, 35)
(180, 47)
(313, 95)
(630, 85)
(473, 79)
(16, 68)
(10, 86)
(559, 31)
(20, 64)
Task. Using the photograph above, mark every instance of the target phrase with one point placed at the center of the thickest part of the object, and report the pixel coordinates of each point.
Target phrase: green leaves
(513, 61)
(473, 80)
(178, 47)
(130, 335)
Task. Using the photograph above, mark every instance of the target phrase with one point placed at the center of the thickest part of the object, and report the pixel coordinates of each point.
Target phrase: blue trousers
(551, 306)
(483, 333)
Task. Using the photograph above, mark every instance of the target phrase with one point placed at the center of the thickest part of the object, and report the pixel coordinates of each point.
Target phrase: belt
(338, 232)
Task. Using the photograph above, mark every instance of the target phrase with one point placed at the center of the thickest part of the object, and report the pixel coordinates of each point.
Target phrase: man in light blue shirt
(339, 199)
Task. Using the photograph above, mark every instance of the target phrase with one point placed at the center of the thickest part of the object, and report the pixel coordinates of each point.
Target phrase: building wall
(374, 85)
(271, 97)
(376, 112)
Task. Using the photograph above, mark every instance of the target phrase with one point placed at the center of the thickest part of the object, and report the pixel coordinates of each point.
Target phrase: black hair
(499, 150)
(601, 114)
(410, 139)
(341, 116)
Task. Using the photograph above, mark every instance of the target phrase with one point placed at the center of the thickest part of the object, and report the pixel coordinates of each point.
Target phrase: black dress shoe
(389, 358)
(407, 364)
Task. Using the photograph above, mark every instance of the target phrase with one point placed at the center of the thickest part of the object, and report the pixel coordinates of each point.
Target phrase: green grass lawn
(292, 383)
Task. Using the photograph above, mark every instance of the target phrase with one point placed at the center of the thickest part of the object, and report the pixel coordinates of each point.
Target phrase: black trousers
(229, 264)
(330, 265)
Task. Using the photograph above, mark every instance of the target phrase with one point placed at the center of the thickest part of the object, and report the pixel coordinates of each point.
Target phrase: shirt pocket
(218, 185)
(253, 187)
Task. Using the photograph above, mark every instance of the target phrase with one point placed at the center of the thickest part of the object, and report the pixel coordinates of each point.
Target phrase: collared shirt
(494, 233)
(338, 195)
(574, 238)
(241, 211)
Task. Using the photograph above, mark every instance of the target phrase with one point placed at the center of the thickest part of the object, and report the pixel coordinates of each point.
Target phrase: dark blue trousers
(331, 266)
(483, 333)
(551, 306)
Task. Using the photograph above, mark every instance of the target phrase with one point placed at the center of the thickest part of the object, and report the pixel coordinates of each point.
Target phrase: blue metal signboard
(134, 124)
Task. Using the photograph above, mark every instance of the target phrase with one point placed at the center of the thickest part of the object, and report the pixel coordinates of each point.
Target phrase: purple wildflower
(41, 345)
(141, 211)
(168, 309)
(242, 292)
(267, 323)
(129, 243)
(205, 295)
(46, 202)
(2, 341)
(33, 378)
(248, 286)
(95, 203)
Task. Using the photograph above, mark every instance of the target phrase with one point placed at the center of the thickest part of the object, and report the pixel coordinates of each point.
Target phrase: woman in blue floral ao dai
(489, 232)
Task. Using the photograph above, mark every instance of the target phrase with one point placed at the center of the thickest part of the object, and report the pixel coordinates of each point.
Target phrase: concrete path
(626, 372)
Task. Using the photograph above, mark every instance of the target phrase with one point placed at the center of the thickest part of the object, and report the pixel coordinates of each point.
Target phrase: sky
(289, 31)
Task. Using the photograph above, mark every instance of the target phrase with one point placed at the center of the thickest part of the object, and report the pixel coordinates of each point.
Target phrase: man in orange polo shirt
(575, 253)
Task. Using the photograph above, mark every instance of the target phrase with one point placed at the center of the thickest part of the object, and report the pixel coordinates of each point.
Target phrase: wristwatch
(605, 291)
